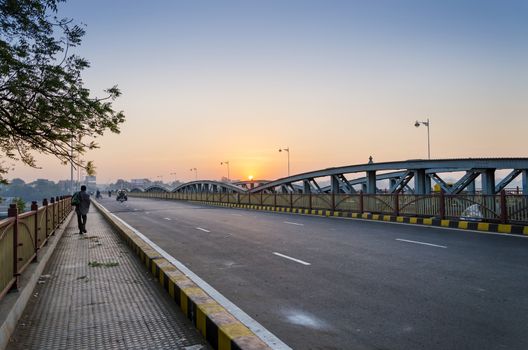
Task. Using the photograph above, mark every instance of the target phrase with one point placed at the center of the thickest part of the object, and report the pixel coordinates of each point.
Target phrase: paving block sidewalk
(95, 294)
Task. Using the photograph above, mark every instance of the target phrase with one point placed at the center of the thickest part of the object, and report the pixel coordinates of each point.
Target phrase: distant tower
(371, 160)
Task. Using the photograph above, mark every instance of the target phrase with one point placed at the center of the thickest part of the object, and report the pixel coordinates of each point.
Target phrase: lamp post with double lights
(195, 173)
(226, 163)
(427, 123)
(287, 149)
(174, 174)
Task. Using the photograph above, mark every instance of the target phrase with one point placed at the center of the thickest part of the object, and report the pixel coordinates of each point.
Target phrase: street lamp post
(427, 124)
(195, 173)
(226, 163)
(174, 176)
(161, 178)
(287, 149)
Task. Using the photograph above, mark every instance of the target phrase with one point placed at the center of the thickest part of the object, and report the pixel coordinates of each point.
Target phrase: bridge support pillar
(335, 184)
(392, 184)
(371, 182)
(471, 188)
(420, 181)
(525, 182)
(306, 187)
(488, 181)
(427, 184)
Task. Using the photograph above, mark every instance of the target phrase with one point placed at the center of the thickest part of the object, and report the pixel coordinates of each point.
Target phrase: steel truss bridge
(453, 176)
(407, 187)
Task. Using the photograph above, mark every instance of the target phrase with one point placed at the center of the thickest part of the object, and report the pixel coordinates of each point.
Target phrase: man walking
(81, 201)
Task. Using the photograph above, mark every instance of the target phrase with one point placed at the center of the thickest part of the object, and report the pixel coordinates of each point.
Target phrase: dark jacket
(84, 204)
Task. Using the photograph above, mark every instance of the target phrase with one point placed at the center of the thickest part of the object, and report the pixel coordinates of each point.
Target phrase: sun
(250, 177)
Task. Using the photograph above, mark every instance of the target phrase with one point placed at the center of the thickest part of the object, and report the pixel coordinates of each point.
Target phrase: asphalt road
(325, 283)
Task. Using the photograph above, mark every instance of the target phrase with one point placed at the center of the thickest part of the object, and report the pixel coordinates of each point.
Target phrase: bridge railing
(500, 208)
(23, 235)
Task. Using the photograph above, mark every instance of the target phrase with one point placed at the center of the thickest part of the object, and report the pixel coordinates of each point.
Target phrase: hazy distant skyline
(336, 81)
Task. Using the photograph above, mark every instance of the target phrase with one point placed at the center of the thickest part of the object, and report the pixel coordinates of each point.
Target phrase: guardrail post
(12, 212)
(58, 211)
(261, 198)
(442, 205)
(361, 202)
(45, 205)
(52, 202)
(291, 200)
(34, 207)
(333, 202)
(503, 207)
(396, 204)
(275, 199)
(310, 199)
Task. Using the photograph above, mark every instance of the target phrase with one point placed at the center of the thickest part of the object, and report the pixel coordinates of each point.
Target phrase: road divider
(224, 325)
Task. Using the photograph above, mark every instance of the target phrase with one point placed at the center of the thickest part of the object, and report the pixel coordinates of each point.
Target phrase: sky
(206, 82)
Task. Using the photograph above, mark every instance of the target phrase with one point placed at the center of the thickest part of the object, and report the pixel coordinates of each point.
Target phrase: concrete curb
(458, 224)
(13, 305)
(219, 327)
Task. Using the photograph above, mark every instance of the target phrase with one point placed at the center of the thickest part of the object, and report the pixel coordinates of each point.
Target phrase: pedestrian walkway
(95, 294)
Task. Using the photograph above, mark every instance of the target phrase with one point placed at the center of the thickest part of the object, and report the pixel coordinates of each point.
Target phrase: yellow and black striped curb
(221, 329)
(458, 224)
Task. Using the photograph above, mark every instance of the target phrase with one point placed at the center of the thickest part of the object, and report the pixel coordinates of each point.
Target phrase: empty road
(325, 283)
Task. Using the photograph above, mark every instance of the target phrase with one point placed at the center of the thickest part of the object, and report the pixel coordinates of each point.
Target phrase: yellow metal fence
(22, 235)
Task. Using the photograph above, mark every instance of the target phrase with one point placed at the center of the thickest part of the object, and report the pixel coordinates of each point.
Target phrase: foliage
(44, 105)
(34, 191)
(20, 203)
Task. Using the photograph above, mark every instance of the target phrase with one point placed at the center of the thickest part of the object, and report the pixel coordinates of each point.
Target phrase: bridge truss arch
(205, 186)
(462, 175)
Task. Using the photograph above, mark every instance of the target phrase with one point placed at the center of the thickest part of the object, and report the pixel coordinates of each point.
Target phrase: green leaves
(43, 101)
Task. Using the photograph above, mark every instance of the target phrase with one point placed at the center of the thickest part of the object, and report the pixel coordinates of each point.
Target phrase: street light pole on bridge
(226, 163)
(287, 149)
(426, 123)
(195, 173)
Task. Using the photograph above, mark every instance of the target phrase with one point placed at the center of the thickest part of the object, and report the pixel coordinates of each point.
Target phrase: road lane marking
(236, 214)
(292, 259)
(167, 219)
(293, 223)
(202, 229)
(423, 243)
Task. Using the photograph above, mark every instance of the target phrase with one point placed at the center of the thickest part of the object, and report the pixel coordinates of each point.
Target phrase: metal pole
(288, 160)
(228, 172)
(428, 140)
(71, 168)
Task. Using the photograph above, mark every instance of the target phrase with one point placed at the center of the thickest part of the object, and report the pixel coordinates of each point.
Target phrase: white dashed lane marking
(202, 229)
(292, 259)
(422, 243)
(293, 223)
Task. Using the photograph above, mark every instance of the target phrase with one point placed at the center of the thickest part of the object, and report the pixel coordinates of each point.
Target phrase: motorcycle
(121, 197)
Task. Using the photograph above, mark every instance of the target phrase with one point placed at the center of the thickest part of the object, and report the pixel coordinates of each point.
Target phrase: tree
(44, 104)
(21, 205)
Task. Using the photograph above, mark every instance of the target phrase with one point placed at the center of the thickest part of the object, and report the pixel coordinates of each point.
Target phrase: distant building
(138, 182)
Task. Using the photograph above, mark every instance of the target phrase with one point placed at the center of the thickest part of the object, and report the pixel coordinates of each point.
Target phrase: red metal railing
(22, 236)
(500, 208)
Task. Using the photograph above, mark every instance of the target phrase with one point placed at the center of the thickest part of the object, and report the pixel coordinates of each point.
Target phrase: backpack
(76, 200)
